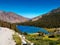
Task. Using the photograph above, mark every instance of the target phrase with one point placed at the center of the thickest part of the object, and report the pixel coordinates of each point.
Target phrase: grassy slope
(43, 40)
(50, 29)
(17, 39)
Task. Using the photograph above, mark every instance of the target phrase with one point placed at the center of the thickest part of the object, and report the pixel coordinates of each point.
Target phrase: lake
(31, 29)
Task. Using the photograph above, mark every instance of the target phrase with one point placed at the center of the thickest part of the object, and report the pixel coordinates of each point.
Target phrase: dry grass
(17, 39)
(46, 37)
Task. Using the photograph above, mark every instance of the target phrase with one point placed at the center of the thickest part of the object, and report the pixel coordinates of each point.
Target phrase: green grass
(38, 40)
(50, 29)
(17, 39)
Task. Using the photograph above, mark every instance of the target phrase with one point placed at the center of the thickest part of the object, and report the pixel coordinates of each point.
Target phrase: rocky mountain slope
(50, 19)
(11, 17)
(52, 12)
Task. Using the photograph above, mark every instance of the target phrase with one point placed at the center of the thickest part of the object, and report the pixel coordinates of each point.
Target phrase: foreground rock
(6, 37)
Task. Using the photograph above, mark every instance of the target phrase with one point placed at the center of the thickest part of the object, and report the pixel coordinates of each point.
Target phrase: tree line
(9, 25)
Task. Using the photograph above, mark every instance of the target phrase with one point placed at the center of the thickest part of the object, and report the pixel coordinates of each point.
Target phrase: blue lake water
(31, 29)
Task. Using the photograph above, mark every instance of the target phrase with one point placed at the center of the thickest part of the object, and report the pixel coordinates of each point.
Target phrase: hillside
(49, 20)
(52, 12)
(12, 17)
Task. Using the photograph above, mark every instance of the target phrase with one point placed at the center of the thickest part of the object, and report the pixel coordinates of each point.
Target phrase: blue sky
(29, 8)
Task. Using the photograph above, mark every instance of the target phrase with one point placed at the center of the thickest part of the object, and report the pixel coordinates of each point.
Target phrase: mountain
(49, 20)
(12, 17)
(53, 12)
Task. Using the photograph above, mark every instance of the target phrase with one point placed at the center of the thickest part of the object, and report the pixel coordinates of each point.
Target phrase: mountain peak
(57, 10)
(2, 11)
(11, 17)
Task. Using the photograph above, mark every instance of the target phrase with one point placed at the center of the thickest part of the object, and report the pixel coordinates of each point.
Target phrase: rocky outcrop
(6, 36)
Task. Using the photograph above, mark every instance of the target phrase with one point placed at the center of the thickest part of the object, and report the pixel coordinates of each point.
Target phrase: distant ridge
(12, 17)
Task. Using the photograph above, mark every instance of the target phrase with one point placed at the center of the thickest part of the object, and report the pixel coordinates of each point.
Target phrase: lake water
(31, 29)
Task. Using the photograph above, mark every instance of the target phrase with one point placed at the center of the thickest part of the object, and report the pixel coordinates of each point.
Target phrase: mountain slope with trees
(48, 20)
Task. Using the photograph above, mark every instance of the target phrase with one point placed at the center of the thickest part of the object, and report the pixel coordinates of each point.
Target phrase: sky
(29, 8)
